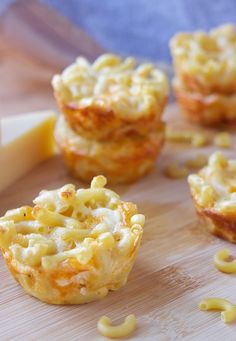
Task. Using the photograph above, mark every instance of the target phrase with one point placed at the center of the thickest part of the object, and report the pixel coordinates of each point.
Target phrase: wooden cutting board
(36, 43)
(173, 271)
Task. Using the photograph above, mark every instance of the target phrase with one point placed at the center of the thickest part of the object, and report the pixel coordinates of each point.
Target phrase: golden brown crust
(213, 193)
(85, 247)
(196, 86)
(43, 284)
(101, 123)
(120, 161)
(111, 97)
(209, 110)
(193, 84)
(217, 224)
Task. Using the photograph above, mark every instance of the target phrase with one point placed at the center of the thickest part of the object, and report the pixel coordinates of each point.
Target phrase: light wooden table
(173, 271)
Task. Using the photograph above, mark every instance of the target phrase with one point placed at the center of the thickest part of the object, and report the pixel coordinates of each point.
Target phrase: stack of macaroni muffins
(111, 117)
(205, 69)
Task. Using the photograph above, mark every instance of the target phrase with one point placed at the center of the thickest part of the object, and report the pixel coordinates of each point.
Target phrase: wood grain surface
(174, 269)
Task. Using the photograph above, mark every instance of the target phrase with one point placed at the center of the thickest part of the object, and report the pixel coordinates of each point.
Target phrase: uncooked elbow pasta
(73, 246)
(126, 328)
(228, 313)
(173, 135)
(175, 171)
(223, 140)
(197, 139)
(199, 161)
(221, 263)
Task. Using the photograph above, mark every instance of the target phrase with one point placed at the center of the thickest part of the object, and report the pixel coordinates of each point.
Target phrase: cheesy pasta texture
(128, 90)
(73, 246)
(213, 191)
(111, 98)
(205, 62)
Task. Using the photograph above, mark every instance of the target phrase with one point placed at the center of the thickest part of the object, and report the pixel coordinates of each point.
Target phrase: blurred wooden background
(35, 43)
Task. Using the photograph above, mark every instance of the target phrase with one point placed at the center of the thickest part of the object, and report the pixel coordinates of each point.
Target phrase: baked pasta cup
(121, 161)
(209, 110)
(213, 191)
(206, 63)
(111, 98)
(72, 247)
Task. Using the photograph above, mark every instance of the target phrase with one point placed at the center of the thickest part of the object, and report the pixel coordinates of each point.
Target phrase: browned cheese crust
(111, 97)
(213, 191)
(101, 123)
(208, 110)
(120, 161)
(73, 246)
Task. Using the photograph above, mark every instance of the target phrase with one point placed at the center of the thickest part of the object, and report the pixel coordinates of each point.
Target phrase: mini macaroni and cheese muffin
(212, 109)
(120, 161)
(111, 98)
(206, 63)
(213, 191)
(73, 246)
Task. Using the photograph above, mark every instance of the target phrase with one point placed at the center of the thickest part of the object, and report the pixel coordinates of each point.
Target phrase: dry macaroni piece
(199, 140)
(120, 161)
(213, 191)
(195, 138)
(126, 328)
(223, 140)
(198, 162)
(73, 246)
(221, 262)
(205, 62)
(178, 135)
(210, 110)
(228, 313)
(174, 171)
(111, 97)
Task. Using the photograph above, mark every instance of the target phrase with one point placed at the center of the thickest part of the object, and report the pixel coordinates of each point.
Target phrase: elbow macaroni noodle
(197, 139)
(126, 328)
(221, 263)
(223, 140)
(175, 171)
(228, 313)
(199, 161)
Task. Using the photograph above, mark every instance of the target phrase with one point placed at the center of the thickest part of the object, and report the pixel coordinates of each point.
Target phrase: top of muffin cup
(205, 62)
(110, 94)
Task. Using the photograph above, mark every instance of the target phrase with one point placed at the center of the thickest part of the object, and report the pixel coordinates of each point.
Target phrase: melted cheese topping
(215, 184)
(207, 56)
(69, 224)
(112, 83)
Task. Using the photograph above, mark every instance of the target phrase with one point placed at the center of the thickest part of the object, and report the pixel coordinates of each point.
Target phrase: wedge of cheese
(25, 141)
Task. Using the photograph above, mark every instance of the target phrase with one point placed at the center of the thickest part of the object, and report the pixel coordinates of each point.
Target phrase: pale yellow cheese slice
(25, 141)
